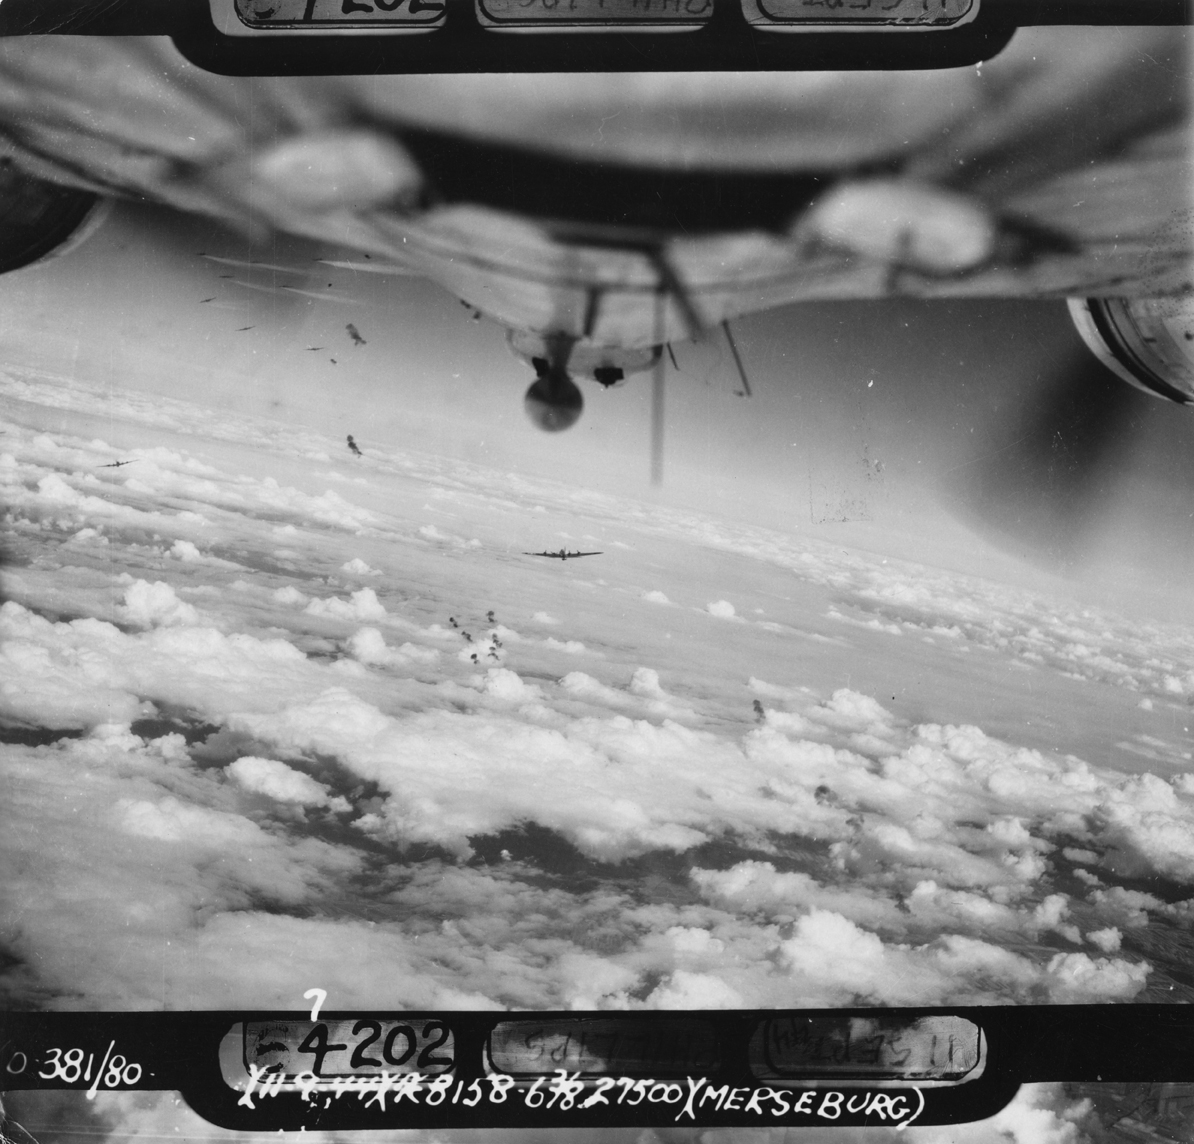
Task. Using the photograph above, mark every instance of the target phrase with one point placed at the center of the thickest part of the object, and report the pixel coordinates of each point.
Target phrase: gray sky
(908, 427)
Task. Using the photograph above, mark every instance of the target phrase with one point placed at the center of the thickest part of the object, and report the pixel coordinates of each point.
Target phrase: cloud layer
(481, 781)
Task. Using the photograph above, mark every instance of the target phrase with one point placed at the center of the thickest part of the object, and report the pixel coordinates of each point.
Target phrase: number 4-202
(383, 1045)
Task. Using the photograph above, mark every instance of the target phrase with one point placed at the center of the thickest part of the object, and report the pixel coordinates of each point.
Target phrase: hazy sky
(881, 423)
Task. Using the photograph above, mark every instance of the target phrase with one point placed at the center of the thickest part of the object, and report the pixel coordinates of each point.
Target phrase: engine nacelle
(1149, 342)
(39, 219)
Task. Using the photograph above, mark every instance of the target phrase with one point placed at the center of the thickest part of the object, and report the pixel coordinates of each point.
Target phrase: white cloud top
(278, 781)
(261, 759)
(153, 605)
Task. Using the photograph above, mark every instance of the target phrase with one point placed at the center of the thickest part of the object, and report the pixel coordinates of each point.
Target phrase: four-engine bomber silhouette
(562, 554)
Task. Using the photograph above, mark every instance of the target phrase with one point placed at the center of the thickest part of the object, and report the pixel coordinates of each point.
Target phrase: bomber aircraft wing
(601, 216)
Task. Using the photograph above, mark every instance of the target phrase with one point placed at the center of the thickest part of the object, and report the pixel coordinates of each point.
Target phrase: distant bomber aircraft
(562, 555)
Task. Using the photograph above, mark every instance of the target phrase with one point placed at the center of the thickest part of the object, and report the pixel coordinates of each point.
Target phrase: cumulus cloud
(185, 550)
(723, 609)
(758, 886)
(685, 990)
(269, 778)
(368, 645)
(837, 963)
(278, 781)
(578, 684)
(44, 683)
(572, 647)
(503, 684)
(1079, 979)
(363, 604)
(357, 567)
(154, 605)
(872, 623)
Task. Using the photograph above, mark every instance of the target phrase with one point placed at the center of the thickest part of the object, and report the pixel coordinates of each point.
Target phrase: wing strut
(669, 285)
(670, 281)
(657, 375)
(737, 358)
(592, 303)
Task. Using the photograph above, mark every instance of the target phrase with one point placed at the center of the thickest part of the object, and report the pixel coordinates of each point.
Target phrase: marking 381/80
(77, 1066)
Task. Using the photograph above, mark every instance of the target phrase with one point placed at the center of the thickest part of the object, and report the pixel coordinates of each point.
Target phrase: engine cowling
(39, 219)
(1149, 342)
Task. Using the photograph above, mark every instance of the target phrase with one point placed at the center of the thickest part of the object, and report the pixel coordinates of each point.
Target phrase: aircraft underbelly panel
(1058, 175)
(1129, 236)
